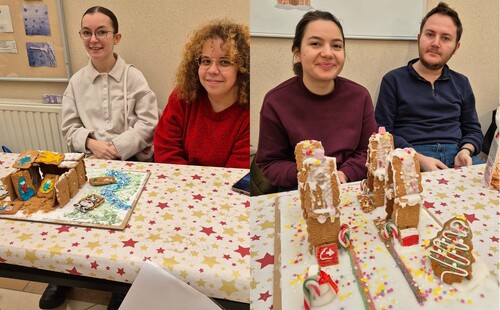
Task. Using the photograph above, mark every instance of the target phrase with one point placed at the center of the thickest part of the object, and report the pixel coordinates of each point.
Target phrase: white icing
(408, 200)
(409, 172)
(447, 244)
(73, 156)
(319, 179)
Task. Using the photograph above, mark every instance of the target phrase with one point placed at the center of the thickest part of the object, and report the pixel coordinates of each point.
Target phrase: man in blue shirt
(429, 107)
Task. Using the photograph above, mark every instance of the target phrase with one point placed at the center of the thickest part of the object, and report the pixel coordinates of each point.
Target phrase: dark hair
(443, 9)
(301, 28)
(107, 12)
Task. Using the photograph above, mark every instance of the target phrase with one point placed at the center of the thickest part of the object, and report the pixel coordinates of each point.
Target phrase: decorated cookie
(100, 181)
(450, 252)
(9, 207)
(50, 158)
(89, 203)
(25, 159)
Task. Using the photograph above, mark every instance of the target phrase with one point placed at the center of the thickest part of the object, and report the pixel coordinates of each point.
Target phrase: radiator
(31, 125)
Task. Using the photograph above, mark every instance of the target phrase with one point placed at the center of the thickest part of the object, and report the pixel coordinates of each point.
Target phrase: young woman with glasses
(95, 117)
(316, 104)
(207, 120)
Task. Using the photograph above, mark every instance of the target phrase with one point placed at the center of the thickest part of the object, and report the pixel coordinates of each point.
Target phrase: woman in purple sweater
(316, 104)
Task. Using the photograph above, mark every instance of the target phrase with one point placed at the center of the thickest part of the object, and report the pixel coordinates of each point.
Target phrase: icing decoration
(50, 157)
(24, 160)
(345, 243)
(47, 185)
(319, 288)
(382, 228)
(450, 250)
(88, 203)
(24, 191)
(110, 191)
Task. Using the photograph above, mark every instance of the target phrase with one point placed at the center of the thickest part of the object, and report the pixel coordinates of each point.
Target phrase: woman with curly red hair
(207, 120)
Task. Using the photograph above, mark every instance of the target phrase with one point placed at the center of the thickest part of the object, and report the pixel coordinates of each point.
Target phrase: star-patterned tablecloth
(187, 220)
(446, 193)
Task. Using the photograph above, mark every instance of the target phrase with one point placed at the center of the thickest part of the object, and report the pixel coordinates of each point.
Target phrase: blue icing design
(24, 191)
(109, 191)
(24, 160)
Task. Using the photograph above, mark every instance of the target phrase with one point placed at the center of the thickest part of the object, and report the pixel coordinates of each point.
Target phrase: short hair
(105, 11)
(236, 38)
(443, 9)
(300, 29)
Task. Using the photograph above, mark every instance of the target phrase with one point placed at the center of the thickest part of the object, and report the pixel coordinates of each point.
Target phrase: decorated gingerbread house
(320, 199)
(379, 146)
(403, 188)
(43, 180)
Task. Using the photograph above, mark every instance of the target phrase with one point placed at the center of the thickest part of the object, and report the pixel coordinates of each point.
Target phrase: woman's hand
(342, 177)
(102, 149)
(463, 158)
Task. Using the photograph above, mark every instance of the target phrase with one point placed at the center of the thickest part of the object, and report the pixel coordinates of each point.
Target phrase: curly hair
(236, 38)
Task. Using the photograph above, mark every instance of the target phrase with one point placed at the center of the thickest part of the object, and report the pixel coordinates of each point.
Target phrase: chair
(155, 288)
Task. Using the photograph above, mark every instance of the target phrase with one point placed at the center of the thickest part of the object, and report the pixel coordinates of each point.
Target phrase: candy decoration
(312, 287)
(345, 243)
(383, 229)
(389, 228)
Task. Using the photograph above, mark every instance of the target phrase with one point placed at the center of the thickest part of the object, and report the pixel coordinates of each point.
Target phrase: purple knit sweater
(342, 120)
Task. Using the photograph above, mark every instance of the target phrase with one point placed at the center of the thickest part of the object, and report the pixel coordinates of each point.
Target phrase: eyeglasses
(86, 34)
(222, 63)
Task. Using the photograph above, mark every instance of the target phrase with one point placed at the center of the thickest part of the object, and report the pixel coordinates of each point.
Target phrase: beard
(434, 66)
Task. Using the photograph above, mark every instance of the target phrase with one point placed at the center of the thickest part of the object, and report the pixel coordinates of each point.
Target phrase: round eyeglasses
(86, 34)
(223, 63)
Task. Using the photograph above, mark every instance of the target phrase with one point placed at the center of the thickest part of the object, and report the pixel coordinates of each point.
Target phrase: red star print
(438, 212)
(73, 271)
(1, 162)
(227, 256)
(94, 265)
(75, 244)
(152, 222)
(471, 217)
(207, 230)
(243, 251)
(162, 205)
(44, 233)
(2, 260)
(246, 204)
(443, 181)
(146, 258)
(198, 197)
(255, 238)
(428, 205)
(268, 259)
(129, 164)
(494, 239)
(196, 177)
(62, 229)
(265, 296)
(219, 237)
(160, 251)
(88, 229)
(130, 243)
(222, 223)
(120, 271)
(162, 176)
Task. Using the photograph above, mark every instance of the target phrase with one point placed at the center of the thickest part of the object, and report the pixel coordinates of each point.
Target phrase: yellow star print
(24, 237)
(228, 287)
(211, 261)
(31, 256)
(56, 249)
(267, 224)
(92, 245)
(169, 262)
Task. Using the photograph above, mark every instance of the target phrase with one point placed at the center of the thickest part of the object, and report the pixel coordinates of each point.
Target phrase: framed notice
(33, 45)
(360, 19)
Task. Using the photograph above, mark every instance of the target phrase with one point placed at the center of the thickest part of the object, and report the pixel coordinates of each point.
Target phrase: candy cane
(390, 227)
(310, 287)
(344, 238)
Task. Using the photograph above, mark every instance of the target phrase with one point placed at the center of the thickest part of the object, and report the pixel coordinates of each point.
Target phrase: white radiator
(31, 125)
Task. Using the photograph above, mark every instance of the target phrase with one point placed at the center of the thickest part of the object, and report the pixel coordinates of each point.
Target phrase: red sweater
(191, 133)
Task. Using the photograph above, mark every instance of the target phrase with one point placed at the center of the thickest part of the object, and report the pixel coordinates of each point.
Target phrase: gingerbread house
(403, 188)
(379, 146)
(44, 180)
(320, 198)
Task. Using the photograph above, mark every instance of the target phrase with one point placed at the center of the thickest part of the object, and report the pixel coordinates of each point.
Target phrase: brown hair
(236, 39)
(443, 9)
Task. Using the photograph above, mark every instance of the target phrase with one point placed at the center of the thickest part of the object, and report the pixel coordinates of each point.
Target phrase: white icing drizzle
(451, 240)
(408, 169)
(408, 200)
(319, 178)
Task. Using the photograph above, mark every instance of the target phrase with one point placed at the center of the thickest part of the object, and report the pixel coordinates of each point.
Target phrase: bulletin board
(33, 45)
(360, 19)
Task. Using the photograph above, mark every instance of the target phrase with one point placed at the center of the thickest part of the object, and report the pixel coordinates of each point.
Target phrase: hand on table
(342, 177)
(102, 149)
(429, 163)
